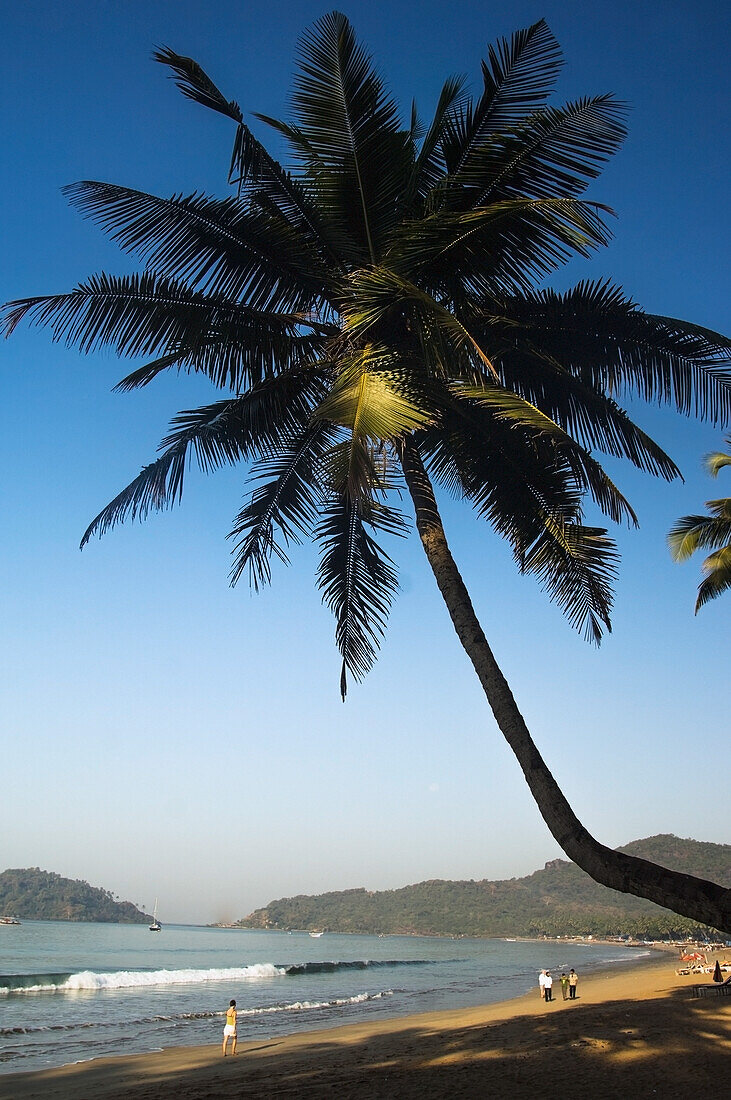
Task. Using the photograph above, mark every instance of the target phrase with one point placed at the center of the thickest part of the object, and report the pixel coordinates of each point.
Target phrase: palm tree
(375, 315)
(693, 533)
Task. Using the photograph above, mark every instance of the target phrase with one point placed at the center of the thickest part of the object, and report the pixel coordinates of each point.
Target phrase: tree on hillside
(693, 533)
(376, 316)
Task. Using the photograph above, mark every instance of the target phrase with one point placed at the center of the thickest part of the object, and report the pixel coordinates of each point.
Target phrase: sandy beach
(634, 1033)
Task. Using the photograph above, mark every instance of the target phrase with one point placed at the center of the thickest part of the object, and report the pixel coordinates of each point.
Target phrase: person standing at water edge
(573, 981)
(564, 986)
(542, 985)
(548, 981)
(229, 1031)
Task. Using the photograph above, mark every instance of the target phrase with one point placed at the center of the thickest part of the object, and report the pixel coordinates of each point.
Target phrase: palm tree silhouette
(376, 316)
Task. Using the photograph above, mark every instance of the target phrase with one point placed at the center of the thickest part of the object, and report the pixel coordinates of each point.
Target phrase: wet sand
(634, 1033)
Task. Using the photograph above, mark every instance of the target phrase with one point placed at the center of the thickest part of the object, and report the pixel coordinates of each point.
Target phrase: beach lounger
(720, 989)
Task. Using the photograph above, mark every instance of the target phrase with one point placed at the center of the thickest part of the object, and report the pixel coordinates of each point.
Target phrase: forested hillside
(32, 894)
(558, 900)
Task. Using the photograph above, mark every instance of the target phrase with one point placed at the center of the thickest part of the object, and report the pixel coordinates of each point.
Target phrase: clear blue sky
(167, 735)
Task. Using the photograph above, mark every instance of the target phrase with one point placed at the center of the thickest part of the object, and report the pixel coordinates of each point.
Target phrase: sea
(73, 992)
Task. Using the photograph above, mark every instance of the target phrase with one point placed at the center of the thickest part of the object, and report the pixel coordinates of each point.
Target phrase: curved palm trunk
(696, 898)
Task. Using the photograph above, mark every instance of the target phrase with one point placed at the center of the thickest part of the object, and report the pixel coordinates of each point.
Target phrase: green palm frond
(577, 566)
(224, 433)
(145, 314)
(195, 84)
(691, 533)
(597, 333)
(573, 401)
(529, 493)
(500, 247)
(518, 76)
(717, 567)
(215, 245)
(351, 122)
(555, 152)
(510, 475)
(357, 579)
(716, 461)
(159, 485)
(445, 344)
(372, 399)
(589, 475)
(284, 504)
(429, 166)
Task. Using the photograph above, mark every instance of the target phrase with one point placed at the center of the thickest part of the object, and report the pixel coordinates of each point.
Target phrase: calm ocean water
(70, 992)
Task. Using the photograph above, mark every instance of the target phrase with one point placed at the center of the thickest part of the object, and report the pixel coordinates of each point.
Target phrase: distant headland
(31, 894)
(560, 900)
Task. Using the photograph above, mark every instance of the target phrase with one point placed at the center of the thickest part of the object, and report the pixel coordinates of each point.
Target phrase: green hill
(560, 900)
(32, 894)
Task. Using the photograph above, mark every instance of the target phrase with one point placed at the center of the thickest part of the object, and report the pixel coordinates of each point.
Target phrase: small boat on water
(316, 935)
(155, 926)
(9, 920)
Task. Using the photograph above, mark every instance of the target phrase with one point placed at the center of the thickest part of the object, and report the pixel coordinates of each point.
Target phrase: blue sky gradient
(167, 735)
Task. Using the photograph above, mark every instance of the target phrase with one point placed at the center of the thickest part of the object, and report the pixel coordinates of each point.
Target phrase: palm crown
(383, 295)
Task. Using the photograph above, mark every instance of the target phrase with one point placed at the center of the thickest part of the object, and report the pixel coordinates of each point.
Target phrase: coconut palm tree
(693, 533)
(376, 317)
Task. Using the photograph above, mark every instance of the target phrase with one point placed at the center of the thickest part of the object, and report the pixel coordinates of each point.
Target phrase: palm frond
(215, 245)
(195, 84)
(429, 165)
(144, 314)
(578, 567)
(553, 154)
(717, 566)
(518, 76)
(352, 124)
(446, 345)
(221, 434)
(284, 504)
(716, 462)
(372, 398)
(529, 493)
(691, 533)
(599, 335)
(589, 475)
(159, 485)
(505, 246)
(357, 580)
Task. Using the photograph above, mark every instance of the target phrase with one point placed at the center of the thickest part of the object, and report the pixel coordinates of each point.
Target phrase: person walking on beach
(573, 982)
(564, 986)
(229, 1031)
(542, 985)
(549, 986)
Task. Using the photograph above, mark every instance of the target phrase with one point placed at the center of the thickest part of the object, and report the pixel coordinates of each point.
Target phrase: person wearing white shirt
(548, 983)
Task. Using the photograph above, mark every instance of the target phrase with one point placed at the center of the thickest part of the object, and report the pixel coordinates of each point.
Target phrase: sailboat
(155, 926)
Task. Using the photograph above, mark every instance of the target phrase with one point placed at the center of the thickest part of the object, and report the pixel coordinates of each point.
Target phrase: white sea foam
(133, 979)
(298, 1006)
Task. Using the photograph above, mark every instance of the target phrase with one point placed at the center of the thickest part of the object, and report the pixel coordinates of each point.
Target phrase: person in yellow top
(573, 982)
(229, 1031)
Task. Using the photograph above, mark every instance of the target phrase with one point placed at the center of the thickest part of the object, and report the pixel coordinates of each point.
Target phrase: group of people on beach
(545, 985)
(568, 985)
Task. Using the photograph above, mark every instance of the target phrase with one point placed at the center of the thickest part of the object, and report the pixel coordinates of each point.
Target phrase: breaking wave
(135, 979)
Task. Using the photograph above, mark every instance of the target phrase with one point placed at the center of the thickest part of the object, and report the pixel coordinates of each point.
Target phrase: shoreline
(637, 1030)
